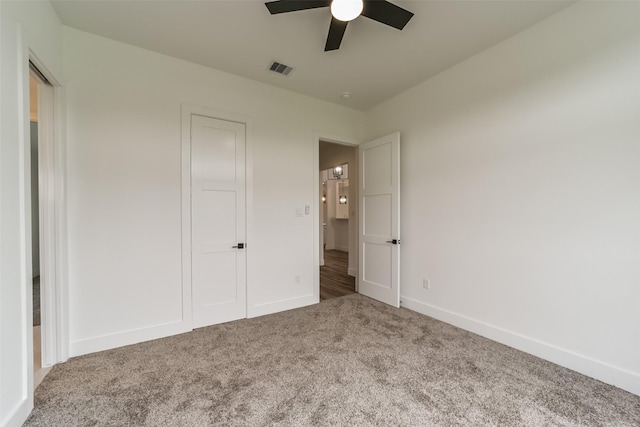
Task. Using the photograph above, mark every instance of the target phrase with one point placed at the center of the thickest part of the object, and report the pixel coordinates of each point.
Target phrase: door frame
(316, 206)
(53, 214)
(53, 225)
(185, 152)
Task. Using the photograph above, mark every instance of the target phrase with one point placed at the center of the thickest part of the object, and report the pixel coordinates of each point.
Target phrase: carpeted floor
(347, 361)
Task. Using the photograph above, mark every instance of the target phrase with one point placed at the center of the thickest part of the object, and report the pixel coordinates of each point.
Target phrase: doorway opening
(39, 371)
(42, 192)
(338, 219)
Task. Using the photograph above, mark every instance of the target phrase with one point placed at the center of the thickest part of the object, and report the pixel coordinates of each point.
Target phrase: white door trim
(54, 257)
(187, 111)
(53, 230)
(56, 206)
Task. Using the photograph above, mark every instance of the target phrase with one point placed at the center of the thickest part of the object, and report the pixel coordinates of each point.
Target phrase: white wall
(124, 187)
(340, 228)
(24, 26)
(336, 233)
(520, 191)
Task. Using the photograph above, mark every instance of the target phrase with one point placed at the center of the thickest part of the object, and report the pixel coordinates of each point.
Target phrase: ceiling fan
(343, 11)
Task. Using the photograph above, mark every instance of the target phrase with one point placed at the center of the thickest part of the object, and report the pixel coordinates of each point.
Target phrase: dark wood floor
(334, 280)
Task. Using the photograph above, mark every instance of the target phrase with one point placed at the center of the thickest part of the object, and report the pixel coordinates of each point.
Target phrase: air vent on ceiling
(279, 68)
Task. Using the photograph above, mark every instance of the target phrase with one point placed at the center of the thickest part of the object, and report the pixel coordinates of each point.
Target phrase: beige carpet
(347, 361)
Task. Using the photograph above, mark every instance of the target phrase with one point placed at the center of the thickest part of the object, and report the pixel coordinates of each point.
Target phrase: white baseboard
(622, 378)
(351, 272)
(106, 342)
(19, 414)
(282, 305)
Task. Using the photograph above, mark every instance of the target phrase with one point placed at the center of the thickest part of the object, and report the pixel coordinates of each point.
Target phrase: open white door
(218, 263)
(379, 276)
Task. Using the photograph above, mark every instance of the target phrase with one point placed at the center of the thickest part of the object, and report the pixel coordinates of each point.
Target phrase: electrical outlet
(426, 283)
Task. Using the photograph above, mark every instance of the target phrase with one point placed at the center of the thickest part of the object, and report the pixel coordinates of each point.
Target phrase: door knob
(239, 246)
(394, 241)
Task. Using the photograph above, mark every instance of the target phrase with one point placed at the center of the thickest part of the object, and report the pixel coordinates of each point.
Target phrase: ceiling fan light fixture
(343, 11)
(346, 10)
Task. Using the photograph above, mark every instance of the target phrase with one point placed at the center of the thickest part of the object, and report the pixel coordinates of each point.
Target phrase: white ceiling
(374, 63)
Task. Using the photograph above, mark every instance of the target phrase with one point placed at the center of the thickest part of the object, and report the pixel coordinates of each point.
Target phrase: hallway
(334, 280)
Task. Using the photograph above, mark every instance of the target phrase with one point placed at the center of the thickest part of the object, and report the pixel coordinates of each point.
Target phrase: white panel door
(218, 260)
(380, 219)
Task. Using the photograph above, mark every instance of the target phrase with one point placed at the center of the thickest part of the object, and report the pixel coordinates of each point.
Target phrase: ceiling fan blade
(386, 13)
(336, 32)
(283, 6)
